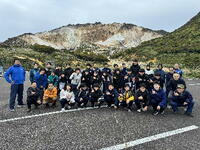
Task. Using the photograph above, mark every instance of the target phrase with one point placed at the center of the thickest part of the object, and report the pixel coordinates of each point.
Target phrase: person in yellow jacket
(126, 98)
(50, 95)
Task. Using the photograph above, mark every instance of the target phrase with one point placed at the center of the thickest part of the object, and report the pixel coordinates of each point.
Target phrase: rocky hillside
(89, 36)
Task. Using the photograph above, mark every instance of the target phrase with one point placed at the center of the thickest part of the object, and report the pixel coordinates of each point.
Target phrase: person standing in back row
(15, 75)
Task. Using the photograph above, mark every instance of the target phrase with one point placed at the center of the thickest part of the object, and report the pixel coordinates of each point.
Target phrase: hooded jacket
(159, 97)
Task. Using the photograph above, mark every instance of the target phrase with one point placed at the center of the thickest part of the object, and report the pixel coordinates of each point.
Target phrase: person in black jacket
(106, 79)
(68, 71)
(86, 78)
(156, 78)
(142, 98)
(169, 75)
(33, 94)
(142, 78)
(135, 67)
(172, 85)
(82, 96)
(118, 79)
(96, 78)
(182, 98)
(111, 96)
(58, 71)
(95, 95)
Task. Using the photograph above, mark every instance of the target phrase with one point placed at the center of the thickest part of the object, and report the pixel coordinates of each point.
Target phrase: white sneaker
(69, 107)
(139, 110)
(20, 106)
(12, 110)
(63, 109)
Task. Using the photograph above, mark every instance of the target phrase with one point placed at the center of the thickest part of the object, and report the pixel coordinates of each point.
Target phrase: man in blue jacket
(15, 75)
(182, 98)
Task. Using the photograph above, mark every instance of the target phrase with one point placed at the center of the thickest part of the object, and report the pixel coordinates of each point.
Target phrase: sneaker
(139, 110)
(188, 114)
(63, 109)
(20, 106)
(69, 107)
(29, 110)
(155, 113)
(12, 110)
(129, 110)
(115, 107)
(162, 112)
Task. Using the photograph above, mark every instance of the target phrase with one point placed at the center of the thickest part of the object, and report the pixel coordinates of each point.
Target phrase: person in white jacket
(75, 79)
(67, 97)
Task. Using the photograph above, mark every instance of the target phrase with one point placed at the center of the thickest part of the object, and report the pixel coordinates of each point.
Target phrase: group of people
(120, 87)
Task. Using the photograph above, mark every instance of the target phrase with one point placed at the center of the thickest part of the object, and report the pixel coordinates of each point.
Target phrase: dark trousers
(80, 102)
(110, 100)
(189, 106)
(16, 90)
(155, 105)
(139, 104)
(63, 102)
(32, 100)
(124, 104)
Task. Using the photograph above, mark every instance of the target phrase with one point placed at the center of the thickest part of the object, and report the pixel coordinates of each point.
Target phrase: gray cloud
(22, 16)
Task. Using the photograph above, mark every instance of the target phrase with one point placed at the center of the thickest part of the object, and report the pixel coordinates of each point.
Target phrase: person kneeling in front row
(182, 98)
(50, 95)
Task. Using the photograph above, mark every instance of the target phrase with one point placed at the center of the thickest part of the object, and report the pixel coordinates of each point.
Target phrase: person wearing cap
(82, 96)
(50, 95)
(67, 97)
(172, 85)
(53, 78)
(126, 98)
(157, 78)
(142, 78)
(161, 71)
(95, 95)
(142, 98)
(76, 79)
(135, 67)
(118, 79)
(158, 99)
(111, 96)
(86, 78)
(182, 98)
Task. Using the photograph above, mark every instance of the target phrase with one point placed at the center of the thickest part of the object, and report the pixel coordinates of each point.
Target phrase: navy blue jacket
(41, 80)
(183, 97)
(159, 97)
(17, 74)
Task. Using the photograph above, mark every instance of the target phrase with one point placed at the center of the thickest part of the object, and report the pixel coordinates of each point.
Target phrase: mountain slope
(93, 36)
(182, 45)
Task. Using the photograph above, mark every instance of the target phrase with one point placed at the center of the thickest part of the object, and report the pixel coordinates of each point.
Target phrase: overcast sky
(22, 16)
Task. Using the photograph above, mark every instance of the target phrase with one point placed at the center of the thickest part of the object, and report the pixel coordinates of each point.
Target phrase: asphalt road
(95, 129)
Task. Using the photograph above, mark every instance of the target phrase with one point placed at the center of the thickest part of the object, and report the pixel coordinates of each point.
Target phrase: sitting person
(95, 95)
(67, 97)
(158, 99)
(142, 98)
(33, 94)
(126, 98)
(82, 96)
(111, 96)
(182, 98)
(50, 95)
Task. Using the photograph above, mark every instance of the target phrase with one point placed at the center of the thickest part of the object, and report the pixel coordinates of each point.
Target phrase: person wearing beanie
(158, 99)
(142, 98)
(182, 98)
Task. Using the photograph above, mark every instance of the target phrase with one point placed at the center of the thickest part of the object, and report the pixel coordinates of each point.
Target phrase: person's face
(176, 66)
(159, 67)
(148, 68)
(123, 65)
(34, 85)
(77, 71)
(42, 72)
(180, 90)
(50, 87)
(104, 74)
(157, 77)
(176, 76)
(17, 62)
(36, 66)
(127, 88)
(135, 62)
(84, 88)
(62, 75)
(129, 72)
(53, 74)
(110, 87)
(142, 89)
(86, 73)
(88, 67)
(171, 70)
(141, 73)
(156, 87)
(95, 74)
(48, 66)
(96, 88)
(116, 66)
(68, 87)
(118, 72)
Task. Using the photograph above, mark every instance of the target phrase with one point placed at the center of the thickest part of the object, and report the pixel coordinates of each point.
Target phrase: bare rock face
(92, 36)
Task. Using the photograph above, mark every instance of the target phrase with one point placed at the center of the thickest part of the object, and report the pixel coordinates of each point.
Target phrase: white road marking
(49, 113)
(193, 84)
(151, 138)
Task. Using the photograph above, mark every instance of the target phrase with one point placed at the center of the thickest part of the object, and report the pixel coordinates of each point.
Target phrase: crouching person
(111, 96)
(82, 96)
(67, 97)
(126, 98)
(142, 98)
(182, 98)
(95, 95)
(33, 94)
(50, 95)
(158, 99)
